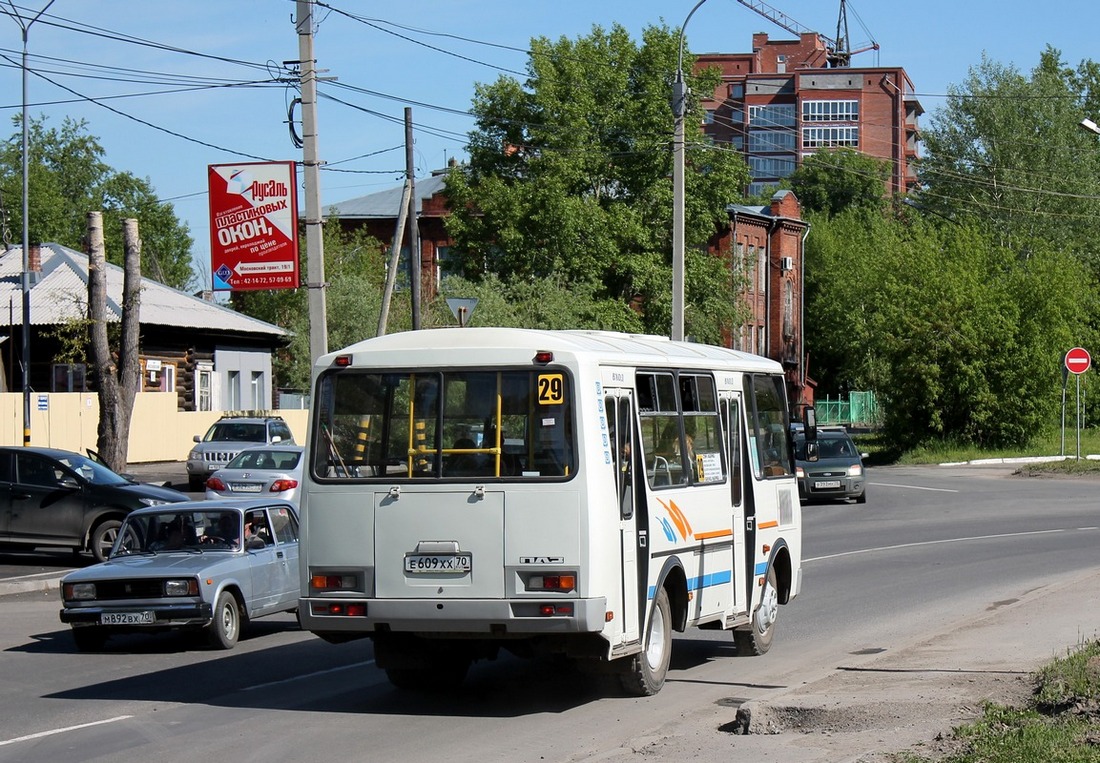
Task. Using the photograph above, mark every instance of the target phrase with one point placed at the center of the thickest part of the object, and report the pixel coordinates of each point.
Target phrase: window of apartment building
(763, 141)
(761, 348)
(259, 396)
(756, 189)
(830, 111)
(233, 391)
(708, 117)
(69, 377)
(750, 266)
(762, 269)
(830, 137)
(737, 90)
(772, 115)
(771, 166)
(738, 142)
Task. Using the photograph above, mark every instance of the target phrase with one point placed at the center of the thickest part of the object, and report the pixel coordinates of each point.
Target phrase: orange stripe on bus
(767, 525)
(714, 534)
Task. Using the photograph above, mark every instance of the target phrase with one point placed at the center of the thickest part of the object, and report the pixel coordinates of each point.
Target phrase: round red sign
(1078, 360)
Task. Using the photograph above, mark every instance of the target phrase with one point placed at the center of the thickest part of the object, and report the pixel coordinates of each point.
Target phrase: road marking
(307, 675)
(945, 540)
(914, 487)
(41, 734)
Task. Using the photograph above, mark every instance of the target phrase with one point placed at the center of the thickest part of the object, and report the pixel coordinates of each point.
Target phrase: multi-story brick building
(781, 103)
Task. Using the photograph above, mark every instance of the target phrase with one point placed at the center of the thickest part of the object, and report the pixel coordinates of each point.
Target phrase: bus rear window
(452, 425)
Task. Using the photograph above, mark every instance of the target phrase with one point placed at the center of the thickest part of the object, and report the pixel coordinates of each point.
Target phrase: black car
(836, 472)
(51, 497)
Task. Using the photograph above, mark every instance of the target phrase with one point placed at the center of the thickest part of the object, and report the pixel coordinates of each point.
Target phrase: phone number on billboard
(262, 280)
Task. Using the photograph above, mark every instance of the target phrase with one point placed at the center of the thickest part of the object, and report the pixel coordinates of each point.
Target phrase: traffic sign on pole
(1078, 360)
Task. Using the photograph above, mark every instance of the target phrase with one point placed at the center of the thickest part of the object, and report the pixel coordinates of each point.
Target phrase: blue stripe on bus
(706, 581)
(761, 568)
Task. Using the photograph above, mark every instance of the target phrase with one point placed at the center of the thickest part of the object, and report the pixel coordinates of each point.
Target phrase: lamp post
(1088, 124)
(26, 27)
(680, 94)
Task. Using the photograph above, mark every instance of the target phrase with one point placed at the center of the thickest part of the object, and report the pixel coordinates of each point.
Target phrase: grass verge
(1061, 722)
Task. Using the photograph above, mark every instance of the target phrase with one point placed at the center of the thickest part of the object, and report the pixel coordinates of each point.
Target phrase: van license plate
(824, 484)
(447, 563)
(126, 618)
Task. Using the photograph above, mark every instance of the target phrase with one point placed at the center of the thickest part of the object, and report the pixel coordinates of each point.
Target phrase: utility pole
(26, 333)
(414, 222)
(311, 175)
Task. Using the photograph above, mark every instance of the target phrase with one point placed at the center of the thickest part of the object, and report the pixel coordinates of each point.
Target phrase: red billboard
(253, 225)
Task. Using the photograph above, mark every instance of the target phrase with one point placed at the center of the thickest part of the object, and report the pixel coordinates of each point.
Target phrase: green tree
(961, 339)
(68, 177)
(1006, 152)
(568, 184)
(833, 180)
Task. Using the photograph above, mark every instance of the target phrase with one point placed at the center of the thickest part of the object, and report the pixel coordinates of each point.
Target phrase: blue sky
(425, 54)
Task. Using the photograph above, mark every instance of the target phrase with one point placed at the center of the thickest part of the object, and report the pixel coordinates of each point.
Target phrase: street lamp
(1088, 124)
(26, 233)
(680, 94)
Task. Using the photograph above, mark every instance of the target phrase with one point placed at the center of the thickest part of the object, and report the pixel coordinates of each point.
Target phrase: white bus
(573, 492)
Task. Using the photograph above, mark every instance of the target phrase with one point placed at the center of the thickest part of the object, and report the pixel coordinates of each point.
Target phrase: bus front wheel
(756, 639)
(648, 669)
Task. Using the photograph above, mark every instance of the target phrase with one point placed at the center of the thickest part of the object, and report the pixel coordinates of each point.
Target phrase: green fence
(859, 410)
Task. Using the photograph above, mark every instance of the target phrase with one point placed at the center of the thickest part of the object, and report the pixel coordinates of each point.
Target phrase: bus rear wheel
(647, 671)
(756, 639)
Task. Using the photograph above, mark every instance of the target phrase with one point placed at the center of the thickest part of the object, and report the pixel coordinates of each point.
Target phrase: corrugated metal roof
(60, 294)
(385, 204)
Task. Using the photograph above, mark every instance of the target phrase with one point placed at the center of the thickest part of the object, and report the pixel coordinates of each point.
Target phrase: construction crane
(838, 49)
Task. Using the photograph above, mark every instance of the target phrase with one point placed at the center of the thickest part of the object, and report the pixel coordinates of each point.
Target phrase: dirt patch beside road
(876, 706)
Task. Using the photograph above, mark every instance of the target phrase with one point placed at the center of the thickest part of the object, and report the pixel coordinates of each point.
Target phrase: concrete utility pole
(311, 165)
(26, 328)
(679, 98)
(414, 222)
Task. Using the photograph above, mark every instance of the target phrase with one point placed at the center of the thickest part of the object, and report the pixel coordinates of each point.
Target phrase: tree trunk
(117, 383)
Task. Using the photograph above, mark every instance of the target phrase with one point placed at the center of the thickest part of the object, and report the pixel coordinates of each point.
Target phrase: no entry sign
(1078, 360)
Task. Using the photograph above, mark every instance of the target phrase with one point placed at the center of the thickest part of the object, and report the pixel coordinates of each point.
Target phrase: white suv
(226, 438)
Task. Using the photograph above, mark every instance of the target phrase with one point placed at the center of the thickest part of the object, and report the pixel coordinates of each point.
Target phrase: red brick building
(762, 244)
(764, 247)
(782, 103)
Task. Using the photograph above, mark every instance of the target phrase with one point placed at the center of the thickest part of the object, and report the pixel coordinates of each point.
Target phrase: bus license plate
(821, 484)
(428, 563)
(126, 618)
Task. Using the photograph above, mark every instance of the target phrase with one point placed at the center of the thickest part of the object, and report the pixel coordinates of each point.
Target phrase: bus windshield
(443, 425)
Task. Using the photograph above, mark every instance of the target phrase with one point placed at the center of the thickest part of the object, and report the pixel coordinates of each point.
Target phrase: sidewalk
(868, 709)
(167, 473)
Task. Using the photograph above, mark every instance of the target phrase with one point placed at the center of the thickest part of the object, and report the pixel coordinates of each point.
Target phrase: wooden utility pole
(117, 382)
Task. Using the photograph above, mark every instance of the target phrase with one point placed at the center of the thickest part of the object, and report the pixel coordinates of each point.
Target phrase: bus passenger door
(619, 406)
(733, 424)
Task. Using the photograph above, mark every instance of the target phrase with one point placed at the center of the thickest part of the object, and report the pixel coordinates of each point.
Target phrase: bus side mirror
(809, 424)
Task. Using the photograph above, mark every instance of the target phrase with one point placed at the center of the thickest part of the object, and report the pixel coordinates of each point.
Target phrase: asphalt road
(943, 569)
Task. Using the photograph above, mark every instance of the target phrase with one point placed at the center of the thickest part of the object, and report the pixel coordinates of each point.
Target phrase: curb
(41, 581)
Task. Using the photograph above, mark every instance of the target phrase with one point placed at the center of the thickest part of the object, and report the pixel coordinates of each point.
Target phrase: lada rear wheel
(225, 629)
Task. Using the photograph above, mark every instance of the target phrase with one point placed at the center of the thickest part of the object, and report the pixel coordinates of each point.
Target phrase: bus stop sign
(1078, 360)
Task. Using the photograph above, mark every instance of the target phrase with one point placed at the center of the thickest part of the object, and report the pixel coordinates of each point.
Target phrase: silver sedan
(269, 471)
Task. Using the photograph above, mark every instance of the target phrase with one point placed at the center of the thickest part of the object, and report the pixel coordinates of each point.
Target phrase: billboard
(253, 225)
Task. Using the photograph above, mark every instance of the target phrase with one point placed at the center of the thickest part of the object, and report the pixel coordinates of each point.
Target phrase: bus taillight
(556, 582)
(320, 583)
(550, 610)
